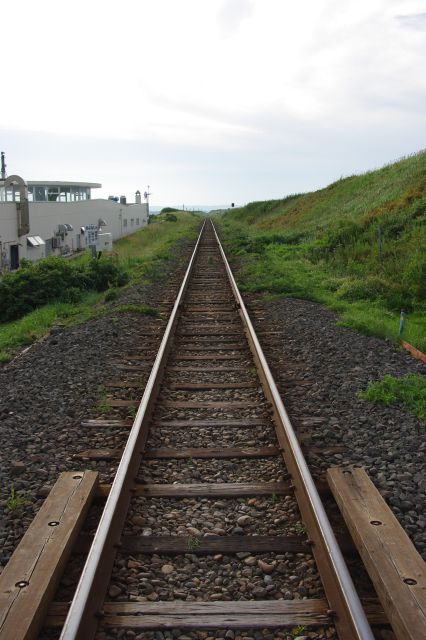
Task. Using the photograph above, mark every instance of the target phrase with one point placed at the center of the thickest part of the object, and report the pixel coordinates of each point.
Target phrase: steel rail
(349, 617)
(84, 613)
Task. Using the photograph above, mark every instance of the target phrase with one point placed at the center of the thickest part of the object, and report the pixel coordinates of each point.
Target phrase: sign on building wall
(91, 234)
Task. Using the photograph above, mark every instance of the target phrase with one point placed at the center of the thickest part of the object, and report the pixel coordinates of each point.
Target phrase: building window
(137, 221)
(125, 222)
(132, 222)
(40, 194)
(53, 194)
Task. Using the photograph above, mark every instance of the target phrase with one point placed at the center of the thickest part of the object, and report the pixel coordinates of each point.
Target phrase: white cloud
(239, 77)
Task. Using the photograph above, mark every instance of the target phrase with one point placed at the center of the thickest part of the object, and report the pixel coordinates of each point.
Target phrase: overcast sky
(211, 101)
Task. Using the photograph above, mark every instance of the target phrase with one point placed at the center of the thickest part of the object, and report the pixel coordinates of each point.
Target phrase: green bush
(54, 279)
(111, 294)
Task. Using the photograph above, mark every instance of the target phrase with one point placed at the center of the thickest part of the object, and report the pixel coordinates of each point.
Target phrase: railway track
(213, 526)
(211, 434)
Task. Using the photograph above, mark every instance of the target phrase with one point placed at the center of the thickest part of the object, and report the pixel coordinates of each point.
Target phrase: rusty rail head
(349, 617)
(82, 619)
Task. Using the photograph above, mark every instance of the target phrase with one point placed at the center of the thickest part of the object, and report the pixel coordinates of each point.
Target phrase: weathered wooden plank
(169, 453)
(122, 403)
(224, 490)
(29, 580)
(208, 404)
(133, 367)
(123, 384)
(209, 309)
(207, 337)
(207, 356)
(188, 386)
(175, 545)
(214, 422)
(373, 609)
(203, 369)
(212, 452)
(228, 621)
(101, 423)
(395, 568)
(200, 346)
(99, 454)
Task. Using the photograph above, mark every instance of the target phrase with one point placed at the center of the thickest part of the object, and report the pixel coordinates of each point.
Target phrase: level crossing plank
(29, 580)
(395, 568)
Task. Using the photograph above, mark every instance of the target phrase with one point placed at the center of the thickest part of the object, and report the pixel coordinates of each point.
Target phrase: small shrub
(170, 217)
(111, 294)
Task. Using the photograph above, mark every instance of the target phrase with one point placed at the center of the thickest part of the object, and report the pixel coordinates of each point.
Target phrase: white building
(38, 219)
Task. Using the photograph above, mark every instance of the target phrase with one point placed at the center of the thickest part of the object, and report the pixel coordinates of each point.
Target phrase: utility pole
(3, 167)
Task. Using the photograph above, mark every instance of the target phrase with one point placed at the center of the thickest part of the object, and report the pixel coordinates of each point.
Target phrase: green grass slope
(358, 245)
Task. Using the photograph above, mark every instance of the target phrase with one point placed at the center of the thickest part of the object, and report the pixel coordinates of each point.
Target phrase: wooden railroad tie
(182, 453)
(207, 490)
(216, 615)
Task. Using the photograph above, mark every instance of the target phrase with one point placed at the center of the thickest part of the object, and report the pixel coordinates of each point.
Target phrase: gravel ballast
(332, 364)
(49, 389)
(319, 368)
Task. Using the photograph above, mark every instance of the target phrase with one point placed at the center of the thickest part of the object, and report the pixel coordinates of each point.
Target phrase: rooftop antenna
(3, 167)
(146, 194)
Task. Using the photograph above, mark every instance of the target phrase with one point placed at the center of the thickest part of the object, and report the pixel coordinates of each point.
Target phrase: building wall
(121, 219)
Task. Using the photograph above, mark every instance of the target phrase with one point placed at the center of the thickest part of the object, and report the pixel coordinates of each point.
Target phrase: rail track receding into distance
(211, 397)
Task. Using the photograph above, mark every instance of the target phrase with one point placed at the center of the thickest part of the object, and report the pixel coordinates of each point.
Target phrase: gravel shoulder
(48, 390)
(319, 368)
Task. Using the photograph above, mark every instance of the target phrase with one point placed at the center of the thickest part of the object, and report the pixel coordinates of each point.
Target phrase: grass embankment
(357, 246)
(142, 254)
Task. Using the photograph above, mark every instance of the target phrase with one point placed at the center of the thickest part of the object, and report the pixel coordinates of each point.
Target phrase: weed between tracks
(103, 405)
(15, 501)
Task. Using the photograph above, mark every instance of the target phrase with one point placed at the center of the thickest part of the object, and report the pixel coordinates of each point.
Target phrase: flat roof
(64, 183)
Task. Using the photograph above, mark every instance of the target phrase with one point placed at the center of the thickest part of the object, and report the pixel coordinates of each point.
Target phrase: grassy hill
(358, 246)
